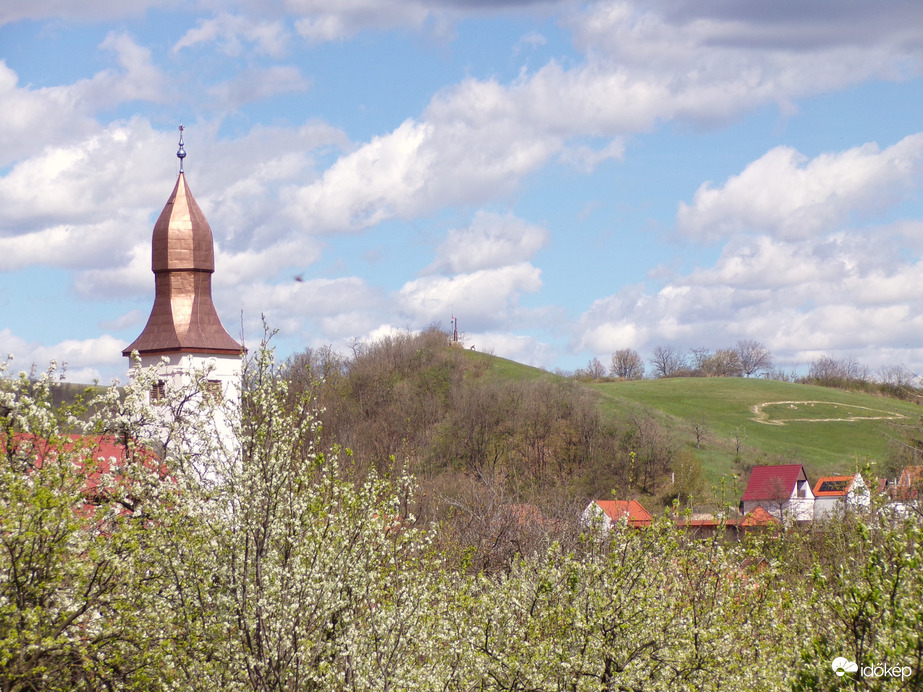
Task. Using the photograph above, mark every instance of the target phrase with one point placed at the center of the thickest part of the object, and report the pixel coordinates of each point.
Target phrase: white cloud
(846, 293)
(477, 139)
(132, 318)
(417, 168)
(325, 21)
(491, 241)
(232, 31)
(82, 360)
(520, 348)
(91, 205)
(786, 194)
(380, 180)
(312, 298)
(32, 119)
(87, 10)
(489, 296)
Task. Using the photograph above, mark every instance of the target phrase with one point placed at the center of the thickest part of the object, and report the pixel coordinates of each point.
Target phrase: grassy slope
(726, 405)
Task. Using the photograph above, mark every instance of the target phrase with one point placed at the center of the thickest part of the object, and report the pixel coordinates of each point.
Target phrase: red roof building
(758, 517)
(610, 512)
(781, 490)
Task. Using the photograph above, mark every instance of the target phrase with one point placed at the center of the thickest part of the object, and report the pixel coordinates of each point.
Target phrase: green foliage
(243, 556)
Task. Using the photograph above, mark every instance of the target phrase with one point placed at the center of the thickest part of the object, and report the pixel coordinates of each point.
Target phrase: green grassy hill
(730, 424)
(830, 431)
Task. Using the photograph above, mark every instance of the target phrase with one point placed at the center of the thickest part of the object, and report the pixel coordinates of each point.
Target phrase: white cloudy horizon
(566, 178)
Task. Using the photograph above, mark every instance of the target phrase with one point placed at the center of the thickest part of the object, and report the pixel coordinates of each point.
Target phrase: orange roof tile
(759, 517)
(630, 509)
(833, 486)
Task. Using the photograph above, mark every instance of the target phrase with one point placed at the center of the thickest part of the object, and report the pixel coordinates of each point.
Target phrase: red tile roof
(773, 482)
(758, 517)
(98, 452)
(833, 486)
(619, 509)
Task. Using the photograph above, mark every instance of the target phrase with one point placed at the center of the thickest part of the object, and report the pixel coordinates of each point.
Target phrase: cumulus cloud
(491, 241)
(81, 360)
(643, 65)
(847, 292)
(231, 32)
(706, 61)
(586, 159)
(518, 347)
(784, 193)
(53, 116)
(419, 167)
(490, 294)
(88, 205)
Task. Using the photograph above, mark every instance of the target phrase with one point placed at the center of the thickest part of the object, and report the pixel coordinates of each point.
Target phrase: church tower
(184, 325)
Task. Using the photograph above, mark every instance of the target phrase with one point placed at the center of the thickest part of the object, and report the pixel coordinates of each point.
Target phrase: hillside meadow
(830, 431)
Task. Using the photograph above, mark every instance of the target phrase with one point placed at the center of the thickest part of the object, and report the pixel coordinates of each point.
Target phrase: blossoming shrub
(223, 549)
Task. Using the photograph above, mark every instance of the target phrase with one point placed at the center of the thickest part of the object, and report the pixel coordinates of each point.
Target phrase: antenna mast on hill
(454, 329)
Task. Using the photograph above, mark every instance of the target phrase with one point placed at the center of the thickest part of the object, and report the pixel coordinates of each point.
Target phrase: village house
(607, 513)
(904, 495)
(835, 495)
(783, 491)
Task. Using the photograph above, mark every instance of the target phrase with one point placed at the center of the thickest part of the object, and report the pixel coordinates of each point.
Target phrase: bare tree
(667, 361)
(701, 430)
(595, 369)
(699, 358)
(722, 363)
(827, 370)
(753, 356)
(896, 375)
(627, 364)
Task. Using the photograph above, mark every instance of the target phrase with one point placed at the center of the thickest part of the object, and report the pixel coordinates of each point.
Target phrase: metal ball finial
(181, 153)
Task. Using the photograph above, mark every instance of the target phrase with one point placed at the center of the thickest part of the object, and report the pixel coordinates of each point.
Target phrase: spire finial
(181, 154)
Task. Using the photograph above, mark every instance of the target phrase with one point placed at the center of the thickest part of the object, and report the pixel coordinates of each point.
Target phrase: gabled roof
(773, 482)
(833, 486)
(758, 517)
(630, 509)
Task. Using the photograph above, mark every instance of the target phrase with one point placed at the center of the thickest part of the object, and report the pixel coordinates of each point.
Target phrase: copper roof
(183, 318)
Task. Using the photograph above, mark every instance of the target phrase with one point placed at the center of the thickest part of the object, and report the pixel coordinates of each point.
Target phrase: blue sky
(567, 178)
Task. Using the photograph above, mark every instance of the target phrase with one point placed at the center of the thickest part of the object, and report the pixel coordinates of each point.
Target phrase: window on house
(158, 391)
(213, 389)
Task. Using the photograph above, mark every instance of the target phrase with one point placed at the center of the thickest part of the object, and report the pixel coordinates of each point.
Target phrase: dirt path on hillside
(760, 416)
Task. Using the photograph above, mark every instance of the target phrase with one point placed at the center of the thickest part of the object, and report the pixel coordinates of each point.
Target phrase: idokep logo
(841, 666)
